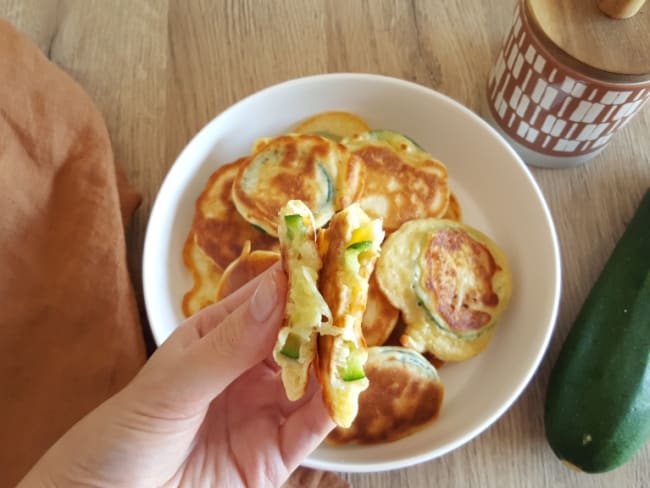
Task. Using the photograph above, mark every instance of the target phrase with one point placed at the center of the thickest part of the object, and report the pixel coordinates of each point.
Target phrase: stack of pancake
(439, 285)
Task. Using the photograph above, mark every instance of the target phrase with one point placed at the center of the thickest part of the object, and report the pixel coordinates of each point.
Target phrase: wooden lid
(580, 29)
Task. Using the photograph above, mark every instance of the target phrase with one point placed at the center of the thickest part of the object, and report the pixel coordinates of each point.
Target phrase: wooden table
(160, 69)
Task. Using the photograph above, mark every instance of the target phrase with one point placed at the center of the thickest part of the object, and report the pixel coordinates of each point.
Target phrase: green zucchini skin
(597, 409)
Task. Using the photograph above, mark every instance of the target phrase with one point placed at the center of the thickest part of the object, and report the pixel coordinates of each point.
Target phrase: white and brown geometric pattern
(551, 108)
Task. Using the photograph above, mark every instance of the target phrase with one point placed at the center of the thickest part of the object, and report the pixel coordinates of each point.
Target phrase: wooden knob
(620, 9)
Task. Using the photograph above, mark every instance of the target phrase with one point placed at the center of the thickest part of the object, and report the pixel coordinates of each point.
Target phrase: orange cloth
(69, 328)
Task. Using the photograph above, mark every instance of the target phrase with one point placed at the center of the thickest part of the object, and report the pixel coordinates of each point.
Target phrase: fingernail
(265, 298)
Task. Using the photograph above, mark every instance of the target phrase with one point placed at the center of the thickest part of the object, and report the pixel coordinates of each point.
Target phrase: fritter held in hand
(350, 247)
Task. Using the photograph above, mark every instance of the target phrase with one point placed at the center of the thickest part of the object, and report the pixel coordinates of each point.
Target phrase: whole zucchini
(597, 411)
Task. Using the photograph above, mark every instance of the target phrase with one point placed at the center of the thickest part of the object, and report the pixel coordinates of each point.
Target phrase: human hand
(208, 408)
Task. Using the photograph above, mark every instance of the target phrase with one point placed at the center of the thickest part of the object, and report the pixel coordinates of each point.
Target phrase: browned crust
(222, 235)
(291, 183)
(198, 278)
(380, 316)
(294, 177)
(440, 279)
(323, 368)
(332, 242)
(351, 180)
(454, 211)
(396, 404)
(418, 188)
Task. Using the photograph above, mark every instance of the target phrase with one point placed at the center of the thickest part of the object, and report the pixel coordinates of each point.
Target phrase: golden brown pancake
(317, 171)
(454, 211)
(333, 125)
(402, 181)
(205, 276)
(245, 268)
(350, 247)
(405, 394)
(380, 316)
(451, 283)
(220, 231)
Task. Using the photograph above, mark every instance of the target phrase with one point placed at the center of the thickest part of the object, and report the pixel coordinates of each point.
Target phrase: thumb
(244, 338)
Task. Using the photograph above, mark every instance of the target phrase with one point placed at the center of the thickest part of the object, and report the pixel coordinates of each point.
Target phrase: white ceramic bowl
(497, 193)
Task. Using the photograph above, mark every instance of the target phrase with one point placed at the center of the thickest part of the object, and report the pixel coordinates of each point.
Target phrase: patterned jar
(553, 109)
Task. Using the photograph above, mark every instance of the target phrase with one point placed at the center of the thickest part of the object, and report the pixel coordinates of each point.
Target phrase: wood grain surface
(583, 31)
(160, 69)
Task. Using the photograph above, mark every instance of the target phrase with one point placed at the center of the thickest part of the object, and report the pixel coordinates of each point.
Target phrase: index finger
(201, 323)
